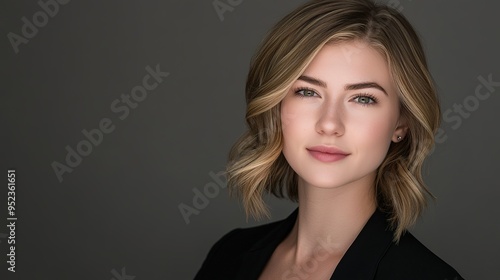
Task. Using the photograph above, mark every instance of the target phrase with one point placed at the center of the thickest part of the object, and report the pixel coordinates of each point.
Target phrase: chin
(332, 180)
(325, 183)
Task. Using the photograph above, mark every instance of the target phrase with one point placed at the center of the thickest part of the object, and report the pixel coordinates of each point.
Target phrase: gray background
(119, 207)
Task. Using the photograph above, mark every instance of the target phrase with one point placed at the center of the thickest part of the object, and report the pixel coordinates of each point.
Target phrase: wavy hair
(256, 165)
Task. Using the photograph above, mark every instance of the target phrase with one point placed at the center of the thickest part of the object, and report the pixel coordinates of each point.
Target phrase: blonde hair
(256, 165)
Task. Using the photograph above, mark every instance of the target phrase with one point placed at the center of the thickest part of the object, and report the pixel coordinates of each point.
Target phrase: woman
(342, 112)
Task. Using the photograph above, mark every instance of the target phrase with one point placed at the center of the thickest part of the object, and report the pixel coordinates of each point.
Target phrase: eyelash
(297, 90)
(371, 96)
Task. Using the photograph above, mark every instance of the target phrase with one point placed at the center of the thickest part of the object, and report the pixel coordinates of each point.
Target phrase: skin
(336, 199)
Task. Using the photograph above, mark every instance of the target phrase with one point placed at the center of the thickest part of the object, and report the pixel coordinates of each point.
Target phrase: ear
(400, 131)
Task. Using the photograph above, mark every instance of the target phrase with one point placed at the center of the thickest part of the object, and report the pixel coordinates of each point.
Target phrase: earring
(399, 138)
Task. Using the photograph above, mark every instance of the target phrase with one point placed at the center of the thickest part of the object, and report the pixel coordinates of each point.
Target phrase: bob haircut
(256, 165)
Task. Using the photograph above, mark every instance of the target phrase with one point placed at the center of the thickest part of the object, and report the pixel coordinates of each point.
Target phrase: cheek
(288, 115)
(380, 131)
(375, 134)
(288, 119)
(294, 124)
(378, 123)
(292, 116)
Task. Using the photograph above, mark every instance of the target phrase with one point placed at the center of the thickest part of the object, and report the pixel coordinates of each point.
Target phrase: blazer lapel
(254, 260)
(361, 260)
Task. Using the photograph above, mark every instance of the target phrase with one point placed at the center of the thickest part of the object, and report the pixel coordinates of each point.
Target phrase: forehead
(356, 61)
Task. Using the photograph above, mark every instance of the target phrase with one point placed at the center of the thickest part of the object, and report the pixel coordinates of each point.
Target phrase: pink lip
(327, 154)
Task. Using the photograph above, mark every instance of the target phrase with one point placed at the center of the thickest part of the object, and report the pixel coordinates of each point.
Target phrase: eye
(305, 92)
(365, 99)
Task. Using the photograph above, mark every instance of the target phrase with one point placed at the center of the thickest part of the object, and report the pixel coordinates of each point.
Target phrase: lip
(326, 153)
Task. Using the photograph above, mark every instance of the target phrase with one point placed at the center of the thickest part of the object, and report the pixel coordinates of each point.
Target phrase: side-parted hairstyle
(256, 165)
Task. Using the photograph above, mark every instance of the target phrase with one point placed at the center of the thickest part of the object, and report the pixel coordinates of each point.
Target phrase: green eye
(304, 92)
(365, 99)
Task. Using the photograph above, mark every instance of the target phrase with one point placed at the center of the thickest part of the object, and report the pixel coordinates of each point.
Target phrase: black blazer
(243, 254)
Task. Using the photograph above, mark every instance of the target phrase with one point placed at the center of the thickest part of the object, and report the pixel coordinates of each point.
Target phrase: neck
(329, 220)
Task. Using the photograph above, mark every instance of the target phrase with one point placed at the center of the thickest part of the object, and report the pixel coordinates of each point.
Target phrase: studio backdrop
(118, 116)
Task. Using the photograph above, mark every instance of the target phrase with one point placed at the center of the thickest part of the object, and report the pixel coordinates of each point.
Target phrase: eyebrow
(313, 81)
(365, 85)
(355, 86)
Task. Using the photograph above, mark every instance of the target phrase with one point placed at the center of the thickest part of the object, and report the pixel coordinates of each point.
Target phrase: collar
(359, 262)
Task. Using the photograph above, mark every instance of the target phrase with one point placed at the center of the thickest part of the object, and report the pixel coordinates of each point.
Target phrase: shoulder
(224, 258)
(410, 259)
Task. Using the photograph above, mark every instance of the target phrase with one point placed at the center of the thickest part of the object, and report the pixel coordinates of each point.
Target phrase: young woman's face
(344, 100)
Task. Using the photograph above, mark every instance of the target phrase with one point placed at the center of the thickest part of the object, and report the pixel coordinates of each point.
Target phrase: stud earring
(399, 138)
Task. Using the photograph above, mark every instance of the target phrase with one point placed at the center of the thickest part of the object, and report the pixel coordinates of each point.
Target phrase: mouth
(327, 154)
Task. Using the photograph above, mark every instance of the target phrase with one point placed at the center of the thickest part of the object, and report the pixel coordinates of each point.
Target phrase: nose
(330, 119)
